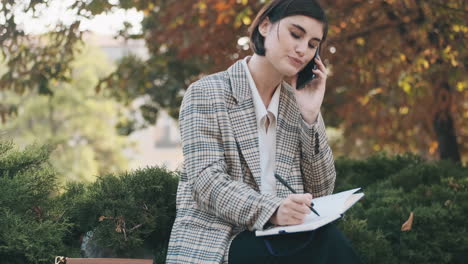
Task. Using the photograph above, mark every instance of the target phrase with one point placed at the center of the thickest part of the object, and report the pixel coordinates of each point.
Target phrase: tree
(399, 73)
(34, 61)
(79, 123)
(398, 82)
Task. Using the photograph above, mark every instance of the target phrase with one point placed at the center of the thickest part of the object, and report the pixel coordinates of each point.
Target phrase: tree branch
(371, 30)
(450, 8)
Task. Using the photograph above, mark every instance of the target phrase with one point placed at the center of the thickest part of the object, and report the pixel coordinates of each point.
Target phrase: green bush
(129, 215)
(32, 228)
(437, 194)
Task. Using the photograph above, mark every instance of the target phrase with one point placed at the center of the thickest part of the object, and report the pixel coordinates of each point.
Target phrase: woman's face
(291, 46)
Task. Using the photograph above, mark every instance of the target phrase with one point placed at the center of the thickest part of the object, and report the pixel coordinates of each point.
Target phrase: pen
(294, 191)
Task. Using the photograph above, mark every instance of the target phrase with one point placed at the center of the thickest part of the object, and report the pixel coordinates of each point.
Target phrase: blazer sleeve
(205, 167)
(317, 161)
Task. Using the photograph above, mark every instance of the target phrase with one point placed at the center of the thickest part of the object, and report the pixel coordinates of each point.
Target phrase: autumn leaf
(408, 224)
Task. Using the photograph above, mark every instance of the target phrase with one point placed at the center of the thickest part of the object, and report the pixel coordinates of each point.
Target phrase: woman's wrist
(273, 219)
(309, 117)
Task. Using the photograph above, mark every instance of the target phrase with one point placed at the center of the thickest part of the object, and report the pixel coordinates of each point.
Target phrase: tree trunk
(443, 126)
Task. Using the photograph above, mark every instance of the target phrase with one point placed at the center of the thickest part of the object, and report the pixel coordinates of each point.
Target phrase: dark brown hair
(279, 9)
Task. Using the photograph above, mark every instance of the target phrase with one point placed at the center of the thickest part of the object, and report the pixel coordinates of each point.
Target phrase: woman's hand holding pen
(292, 210)
(310, 98)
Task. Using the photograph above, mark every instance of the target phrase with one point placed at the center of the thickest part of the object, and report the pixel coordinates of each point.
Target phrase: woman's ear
(264, 26)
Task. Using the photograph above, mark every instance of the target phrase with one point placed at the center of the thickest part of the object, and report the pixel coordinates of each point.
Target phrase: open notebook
(330, 208)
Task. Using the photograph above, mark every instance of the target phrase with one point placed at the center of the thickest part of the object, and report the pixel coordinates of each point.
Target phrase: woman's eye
(296, 36)
(311, 46)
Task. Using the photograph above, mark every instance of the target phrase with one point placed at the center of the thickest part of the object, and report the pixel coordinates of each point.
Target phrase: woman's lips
(296, 62)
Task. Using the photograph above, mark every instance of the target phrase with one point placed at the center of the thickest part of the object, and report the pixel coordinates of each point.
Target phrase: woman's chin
(290, 73)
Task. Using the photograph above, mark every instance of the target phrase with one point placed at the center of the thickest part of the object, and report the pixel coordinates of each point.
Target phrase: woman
(240, 127)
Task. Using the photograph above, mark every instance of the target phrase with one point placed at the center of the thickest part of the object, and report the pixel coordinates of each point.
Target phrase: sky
(107, 24)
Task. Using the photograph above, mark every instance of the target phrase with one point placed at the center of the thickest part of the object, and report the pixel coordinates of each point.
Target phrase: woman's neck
(265, 76)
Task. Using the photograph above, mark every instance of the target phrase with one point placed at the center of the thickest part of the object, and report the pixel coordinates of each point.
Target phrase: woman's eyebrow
(304, 31)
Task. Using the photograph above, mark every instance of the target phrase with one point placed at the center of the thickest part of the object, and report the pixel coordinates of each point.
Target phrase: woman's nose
(301, 48)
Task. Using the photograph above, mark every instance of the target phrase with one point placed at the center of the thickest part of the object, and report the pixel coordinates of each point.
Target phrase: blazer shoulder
(216, 88)
(211, 85)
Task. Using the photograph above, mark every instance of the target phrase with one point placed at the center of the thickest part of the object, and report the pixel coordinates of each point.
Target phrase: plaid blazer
(218, 194)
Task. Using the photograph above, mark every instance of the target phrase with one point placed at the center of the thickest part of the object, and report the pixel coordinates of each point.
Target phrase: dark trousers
(324, 245)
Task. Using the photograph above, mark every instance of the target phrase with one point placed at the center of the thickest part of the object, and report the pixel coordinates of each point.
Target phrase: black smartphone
(306, 75)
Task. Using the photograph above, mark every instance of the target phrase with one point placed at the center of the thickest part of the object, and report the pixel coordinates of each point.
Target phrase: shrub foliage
(32, 229)
(131, 214)
(436, 193)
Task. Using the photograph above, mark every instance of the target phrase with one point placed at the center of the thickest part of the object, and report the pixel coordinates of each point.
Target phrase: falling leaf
(433, 147)
(402, 57)
(460, 86)
(448, 203)
(404, 110)
(408, 224)
(360, 41)
(246, 20)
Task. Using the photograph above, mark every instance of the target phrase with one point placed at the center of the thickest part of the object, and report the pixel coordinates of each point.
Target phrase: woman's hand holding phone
(310, 98)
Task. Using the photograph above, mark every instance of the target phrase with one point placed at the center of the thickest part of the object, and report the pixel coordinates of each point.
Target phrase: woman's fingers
(321, 66)
(298, 206)
(321, 70)
(293, 210)
(305, 198)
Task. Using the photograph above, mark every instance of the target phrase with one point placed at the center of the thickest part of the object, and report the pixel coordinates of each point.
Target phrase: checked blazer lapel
(287, 142)
(243, 119)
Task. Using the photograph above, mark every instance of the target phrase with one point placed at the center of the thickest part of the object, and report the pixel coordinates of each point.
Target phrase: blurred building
(117, 48)
(158, 144)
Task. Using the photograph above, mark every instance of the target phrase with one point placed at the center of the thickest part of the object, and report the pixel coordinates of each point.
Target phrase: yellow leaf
(364, 100)
(408, 224)
(433, 147)
(202, 6)
(402, 57)
(360, 41)
(246, 20)
(202, 22)
(460, 86)
(404, 110)
(406, 87)
(375, 91)
(425, 64)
